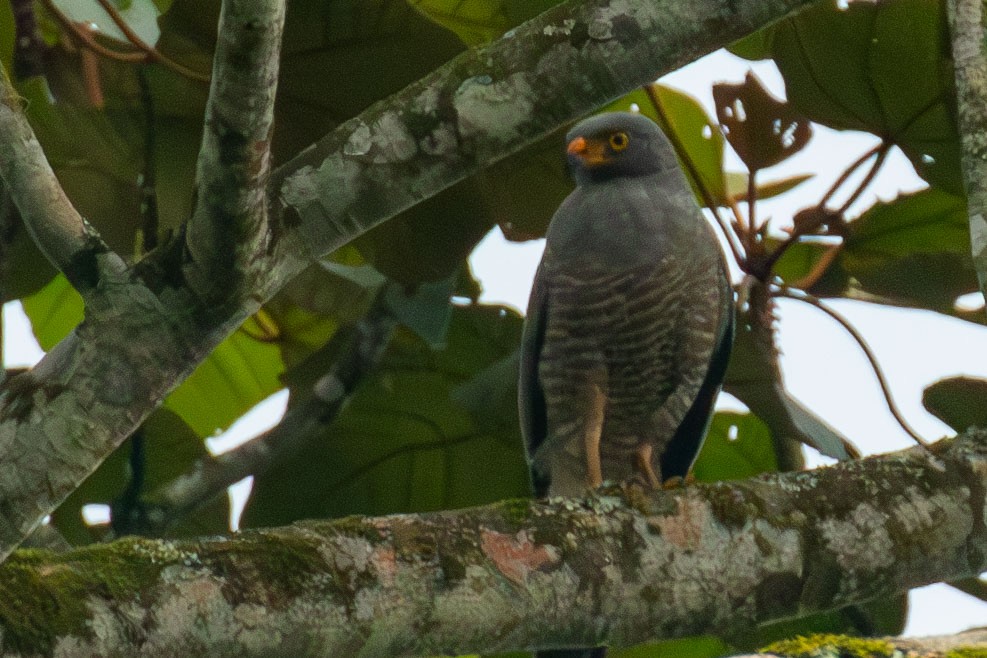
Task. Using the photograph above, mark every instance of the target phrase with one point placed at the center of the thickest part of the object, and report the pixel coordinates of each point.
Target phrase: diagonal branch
(64, 237)
(703, 559)
(228, 229)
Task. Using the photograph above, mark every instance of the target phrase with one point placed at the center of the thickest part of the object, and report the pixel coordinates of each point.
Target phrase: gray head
(617, 144)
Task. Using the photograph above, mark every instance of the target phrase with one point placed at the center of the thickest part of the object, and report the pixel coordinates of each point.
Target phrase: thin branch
(85, 36)
(228, 228)
(151, 53)
(881, 151)
(975, 587)
(801, 296)
(58, 229)
(690, 166)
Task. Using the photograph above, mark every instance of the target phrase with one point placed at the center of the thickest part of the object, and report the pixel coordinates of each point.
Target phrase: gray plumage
(630, 319)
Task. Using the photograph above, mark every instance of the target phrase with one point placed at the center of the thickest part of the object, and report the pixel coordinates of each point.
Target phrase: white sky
(822, 365)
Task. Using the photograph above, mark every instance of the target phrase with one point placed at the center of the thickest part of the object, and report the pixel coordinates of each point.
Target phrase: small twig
(881, 151)
(148, 187)
(735, 248)
(152, 53)
(84, 35)
(882, 155)
(802, 296)
(845, 176)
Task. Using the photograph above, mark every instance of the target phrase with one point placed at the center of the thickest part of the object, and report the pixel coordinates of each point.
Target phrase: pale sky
(822, 365)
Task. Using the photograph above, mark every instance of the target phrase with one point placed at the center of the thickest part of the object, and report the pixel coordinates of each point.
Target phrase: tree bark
(613, 568)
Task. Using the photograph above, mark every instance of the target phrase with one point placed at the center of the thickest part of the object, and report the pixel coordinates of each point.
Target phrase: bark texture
(608, 569)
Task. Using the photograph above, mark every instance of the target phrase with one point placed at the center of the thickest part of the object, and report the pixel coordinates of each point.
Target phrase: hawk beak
(591, 152)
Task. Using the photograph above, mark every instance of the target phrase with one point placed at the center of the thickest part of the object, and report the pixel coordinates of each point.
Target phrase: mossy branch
(703, 559)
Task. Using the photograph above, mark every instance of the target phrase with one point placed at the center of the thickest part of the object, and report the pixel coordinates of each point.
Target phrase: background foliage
(434, 425)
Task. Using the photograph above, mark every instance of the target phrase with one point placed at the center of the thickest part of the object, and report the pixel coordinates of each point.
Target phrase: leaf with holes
(738, 446)
(881, 67)
(761, 129)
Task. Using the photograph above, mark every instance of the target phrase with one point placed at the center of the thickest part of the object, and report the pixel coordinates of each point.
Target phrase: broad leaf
(738, 446)
(879, 67)
(958, 402)
(915, 249)
(408, 440)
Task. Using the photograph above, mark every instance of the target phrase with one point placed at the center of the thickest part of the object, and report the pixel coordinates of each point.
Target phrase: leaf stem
(803, 296)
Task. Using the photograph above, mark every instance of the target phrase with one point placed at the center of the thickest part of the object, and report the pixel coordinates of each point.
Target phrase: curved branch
(871, 358)
(703, 559)
(59, 230)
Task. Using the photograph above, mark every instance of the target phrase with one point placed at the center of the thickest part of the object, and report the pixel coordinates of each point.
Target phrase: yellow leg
(644, 467)
(591, 438)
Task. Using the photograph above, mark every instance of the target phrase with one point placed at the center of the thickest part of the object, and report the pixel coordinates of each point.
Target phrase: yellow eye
(619, 141)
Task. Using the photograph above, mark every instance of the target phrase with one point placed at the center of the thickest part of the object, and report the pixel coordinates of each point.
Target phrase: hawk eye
(619, 141)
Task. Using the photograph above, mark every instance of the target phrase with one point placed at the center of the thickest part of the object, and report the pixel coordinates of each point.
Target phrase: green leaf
(754, 377)
(54, 311)
(958, 402)
(479, 21)
(407, 440)
(737, 185)
(427, 310)
(243, 370)
(915, 249)
(738, 446)
(879, 67)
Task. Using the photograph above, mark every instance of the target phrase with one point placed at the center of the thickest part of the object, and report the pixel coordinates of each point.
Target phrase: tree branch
(966, 23)
(228, 229)
(78, 406)
(701, 559)
(59, 230)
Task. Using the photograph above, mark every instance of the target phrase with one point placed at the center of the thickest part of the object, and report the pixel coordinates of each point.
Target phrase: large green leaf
(915, 249)
(408, 440)
(479, 21)
(738, 446)
(879, 67)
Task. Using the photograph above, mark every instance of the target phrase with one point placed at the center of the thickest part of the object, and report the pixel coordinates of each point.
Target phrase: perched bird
(630, 320)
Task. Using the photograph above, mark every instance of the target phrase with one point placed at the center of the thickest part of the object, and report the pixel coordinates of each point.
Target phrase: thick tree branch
(702, 559)
(228, 229)
(79, 405)
(61, 233)
(968, 27)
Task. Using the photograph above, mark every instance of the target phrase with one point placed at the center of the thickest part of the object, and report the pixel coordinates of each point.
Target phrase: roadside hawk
(630, 320)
